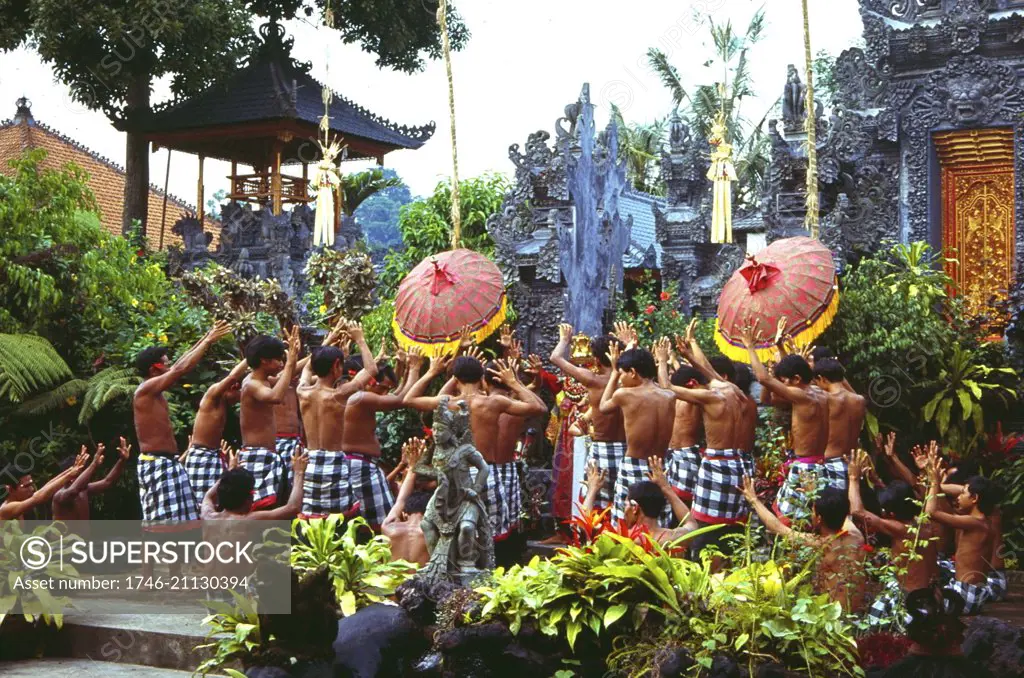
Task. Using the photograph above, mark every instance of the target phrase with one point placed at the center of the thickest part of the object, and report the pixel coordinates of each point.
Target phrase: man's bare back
(323, 415)
(286, 414)
(688, 426)
(748, 424)
(259, 425)
(842, 571)
(407, 540)
(845, 420)
(608, 428)
(649, 413)
(510, 432)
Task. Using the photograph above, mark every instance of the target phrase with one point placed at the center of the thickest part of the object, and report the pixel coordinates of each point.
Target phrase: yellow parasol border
(804, 338)
(432, 350)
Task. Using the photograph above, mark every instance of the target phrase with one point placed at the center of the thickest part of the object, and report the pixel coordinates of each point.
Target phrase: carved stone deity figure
(793, 106)
(455, 524)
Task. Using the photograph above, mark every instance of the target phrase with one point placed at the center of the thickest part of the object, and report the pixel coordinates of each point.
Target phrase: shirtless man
(289, 427)
(976, 504)
(22, 495)
(792, 383)
(72, 501)
(231, 497)
(899, 514)
(203, 460)
(267, 356)
(842, 571)
(322, 399)
(608, 433)
(716, 497)
(684, 455)
(648, 412)
(846, 411)
(402, 526)
(485, 409)
(163, 483)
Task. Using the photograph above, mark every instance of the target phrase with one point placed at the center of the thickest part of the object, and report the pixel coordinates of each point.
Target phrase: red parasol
(794, 279)
(444, 293)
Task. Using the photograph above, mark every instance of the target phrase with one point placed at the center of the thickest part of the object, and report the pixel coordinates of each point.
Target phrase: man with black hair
(203, 459)
(841, 572)
(978, 500)
(267, 357)
(72, 501)
(322, 399)
(716, 495)
(819, 353)
(485, 412)
(846, 412)
(232, 496)
(684, 455)
(648, 412)
(792, 383)
(607, 444)
(359, 435)
(744, 379)
(899, 514)
(402, 525)
(164, 487)
(22, 495)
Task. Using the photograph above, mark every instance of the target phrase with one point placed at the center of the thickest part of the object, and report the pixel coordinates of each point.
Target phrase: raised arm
(661, 357)
(16, 509)
(185, 363)
(69, 493)
(857, 463)
(415, 397)
(680, 511)
(770, 520)
(528, 404)
(412, 451)
(124, 453)
(690, 349)
(559, 359)
(792, 394)
(594, 479)
(888, 447)
(608, 404)
(966, 523)
(276, 393)
(234, 376)
(294, 505)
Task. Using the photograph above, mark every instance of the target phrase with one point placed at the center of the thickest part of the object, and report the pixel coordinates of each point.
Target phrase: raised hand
(465, 337)
(515, 350)
(412, 451)
(82, 459)
(747, 488)
(232, 458)
(124, 449)
(438, 364)
(415, 357)
(564, 333)
(219, 330)
(624, 332)
(475, 352)
(401, 357)
(890, 445)
(382, 354)
(97, 458)
(506, 372)
(299, 462)
(613, 355)
(662, 347)
(505, 338)
(294, 343)
(355, 332)
(749, 335)
(534, 365)
(920, 457)
(691, 329)
(595, 478)
(780, 330)
(656, 472)
(683, 346)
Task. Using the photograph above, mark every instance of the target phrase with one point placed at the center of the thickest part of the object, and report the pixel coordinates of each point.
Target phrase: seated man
(72, 501)
(231, 498)
(977, 502)
(842, 570)
(402, 525)
(22, 495)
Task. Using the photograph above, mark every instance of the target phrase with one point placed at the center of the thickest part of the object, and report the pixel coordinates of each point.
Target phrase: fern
(54, 399)
(29, 364)
(104, 388)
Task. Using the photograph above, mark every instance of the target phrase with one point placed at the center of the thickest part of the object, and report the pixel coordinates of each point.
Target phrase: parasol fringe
(432, 350)
(817, 328)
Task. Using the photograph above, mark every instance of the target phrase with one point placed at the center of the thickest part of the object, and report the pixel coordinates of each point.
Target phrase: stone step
(84, 668)
(128, 632)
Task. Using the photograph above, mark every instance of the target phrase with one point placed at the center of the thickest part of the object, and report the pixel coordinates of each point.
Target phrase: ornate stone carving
(794, 96)
(860, 84)
(963, 24)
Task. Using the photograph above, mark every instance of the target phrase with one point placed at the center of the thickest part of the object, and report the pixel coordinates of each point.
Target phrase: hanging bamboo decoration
(442, 21)
(326, 177)
(811, 125)
(721, 173)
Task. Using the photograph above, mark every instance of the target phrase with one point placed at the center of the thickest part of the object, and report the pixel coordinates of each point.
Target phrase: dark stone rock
(996, 645)
(379, 640)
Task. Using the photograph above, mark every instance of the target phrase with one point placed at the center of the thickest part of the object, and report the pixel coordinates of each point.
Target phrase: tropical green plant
(425, 225)
(343, 282)
(363, 573)
(103, 388)
(378, 215)
(640, 144)
(28, 364)
(358, 187)
(750, 145)
(234, 632)
(32, 602)
(958, 407)
(653, 312)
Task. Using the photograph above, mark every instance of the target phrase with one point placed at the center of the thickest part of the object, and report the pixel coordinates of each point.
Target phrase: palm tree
(640, 144)
(751, 147)
(359, 186)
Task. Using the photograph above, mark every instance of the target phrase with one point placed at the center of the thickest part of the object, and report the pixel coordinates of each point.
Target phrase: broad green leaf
(741, 641)
(348, 603)
(966, 404)
(613, 613)
(572, 629)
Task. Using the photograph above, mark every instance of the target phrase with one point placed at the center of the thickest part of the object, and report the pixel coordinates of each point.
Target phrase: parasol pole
(811, 219)
(442, 20)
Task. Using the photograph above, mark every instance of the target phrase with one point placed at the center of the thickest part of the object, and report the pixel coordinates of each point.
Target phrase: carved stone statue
(455, 524)
(793, 101)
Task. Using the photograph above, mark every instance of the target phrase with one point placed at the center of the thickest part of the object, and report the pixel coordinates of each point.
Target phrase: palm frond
(755, 28)
(63, 396)
(28, 364)
(359, 186)
(667, 73)
(104, 388)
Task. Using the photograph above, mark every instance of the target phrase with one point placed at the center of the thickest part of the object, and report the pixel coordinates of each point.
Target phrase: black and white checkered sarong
(607, 456)
(204, 466)
(883, 611)
(998, 585)
(632, 471)
(681, 468)
(369, 486)
(268, 472)
(975, 596)
(326, 489)
(164, 489)
(833, 472)
(793, 502)
(286, 447)
(717, 497)
(503, 499)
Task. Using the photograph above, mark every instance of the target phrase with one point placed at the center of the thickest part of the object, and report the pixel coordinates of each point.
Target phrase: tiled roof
(106, 178)
(643, 237)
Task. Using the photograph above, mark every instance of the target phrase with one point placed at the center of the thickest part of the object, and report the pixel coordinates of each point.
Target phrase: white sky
(526, 60)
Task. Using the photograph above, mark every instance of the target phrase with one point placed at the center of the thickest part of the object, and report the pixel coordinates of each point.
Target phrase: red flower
(675, 314)
(665, 296)
(867, 548)
(140, 253)
(427, 431)
(649, 310)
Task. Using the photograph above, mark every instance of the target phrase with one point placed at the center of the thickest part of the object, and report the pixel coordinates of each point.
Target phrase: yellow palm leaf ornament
(722, 173)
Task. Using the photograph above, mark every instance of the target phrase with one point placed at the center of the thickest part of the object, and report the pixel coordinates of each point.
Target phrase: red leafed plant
(881, 650)
(999, 447)
(586, 528)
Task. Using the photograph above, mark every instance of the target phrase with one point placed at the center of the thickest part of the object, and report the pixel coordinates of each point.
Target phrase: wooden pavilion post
(275, 179)
(200, 205)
